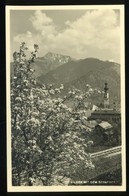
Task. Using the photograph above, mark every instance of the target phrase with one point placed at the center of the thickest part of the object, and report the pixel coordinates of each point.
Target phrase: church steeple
(106, 88)
(106, 96)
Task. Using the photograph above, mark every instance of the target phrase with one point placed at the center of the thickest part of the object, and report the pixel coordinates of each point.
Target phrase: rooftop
(91, 123)
(107, 111)
(105, 125)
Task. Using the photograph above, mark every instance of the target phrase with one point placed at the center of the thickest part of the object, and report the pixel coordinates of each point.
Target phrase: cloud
(95, 34)
(39, 20)
(23, 36)
(96, 29)
(29, 34)
(42, 23)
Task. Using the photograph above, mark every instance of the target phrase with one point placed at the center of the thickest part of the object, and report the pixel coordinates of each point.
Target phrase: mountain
(73, 70)
(97, 80)
(61, 69)
(50, 61)
(90, 70)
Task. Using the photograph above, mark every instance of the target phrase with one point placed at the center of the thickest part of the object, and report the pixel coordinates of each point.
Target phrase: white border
(11, 188)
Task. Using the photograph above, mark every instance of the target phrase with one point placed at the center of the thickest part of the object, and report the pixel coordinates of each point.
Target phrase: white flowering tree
(47, 144)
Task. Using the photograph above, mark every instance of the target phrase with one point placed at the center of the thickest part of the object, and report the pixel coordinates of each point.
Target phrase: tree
(47, 144)
(21, 107)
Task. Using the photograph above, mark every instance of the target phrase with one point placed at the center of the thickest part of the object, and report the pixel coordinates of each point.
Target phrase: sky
(77, 33)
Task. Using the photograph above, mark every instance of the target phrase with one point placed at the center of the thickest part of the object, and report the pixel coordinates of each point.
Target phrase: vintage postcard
(65, 98)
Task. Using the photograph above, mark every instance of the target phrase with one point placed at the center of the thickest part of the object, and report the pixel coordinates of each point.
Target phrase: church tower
(106, 96)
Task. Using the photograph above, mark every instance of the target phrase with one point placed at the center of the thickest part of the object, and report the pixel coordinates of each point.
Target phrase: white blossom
(18, 99)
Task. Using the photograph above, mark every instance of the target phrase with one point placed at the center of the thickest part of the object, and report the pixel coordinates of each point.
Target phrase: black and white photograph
(65, 86)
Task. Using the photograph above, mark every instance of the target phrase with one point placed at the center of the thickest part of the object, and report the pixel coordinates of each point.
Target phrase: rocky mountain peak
(55, 57)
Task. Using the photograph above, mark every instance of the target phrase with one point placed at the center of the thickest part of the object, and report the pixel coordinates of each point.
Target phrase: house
(89, 124)
(102, 133)
(106, 115)
(94, 107)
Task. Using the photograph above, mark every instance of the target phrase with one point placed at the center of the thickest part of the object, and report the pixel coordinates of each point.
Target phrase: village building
(106, 113)
(109, 115)
(90, 124)
(102, 133)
